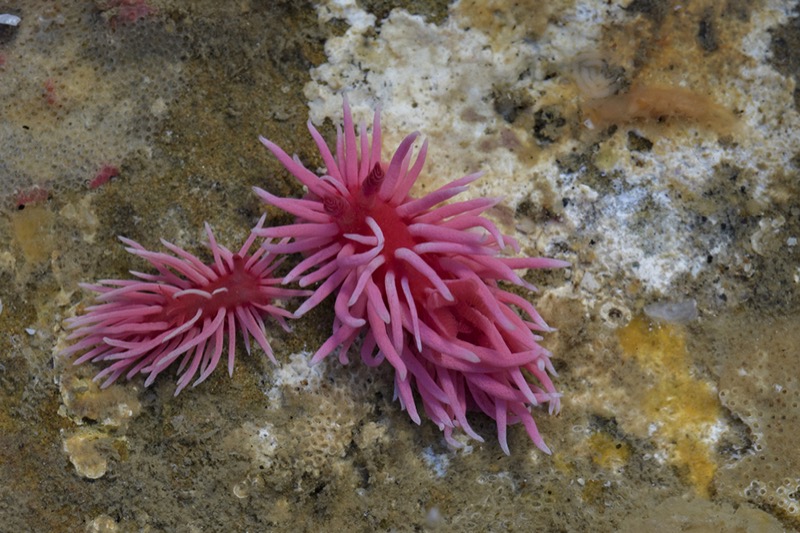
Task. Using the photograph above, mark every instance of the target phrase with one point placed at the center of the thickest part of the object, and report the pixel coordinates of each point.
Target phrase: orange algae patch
(658, 102)
(682, 408)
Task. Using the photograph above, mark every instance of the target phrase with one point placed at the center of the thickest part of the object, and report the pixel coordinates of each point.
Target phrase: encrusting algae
(681, 407)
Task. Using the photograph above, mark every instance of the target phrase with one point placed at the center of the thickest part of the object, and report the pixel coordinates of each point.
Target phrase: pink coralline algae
(123, 12)
(184, 311)
(418, 280)
(103, 176)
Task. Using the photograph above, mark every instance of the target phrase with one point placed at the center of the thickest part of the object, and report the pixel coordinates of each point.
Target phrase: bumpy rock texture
(651, 206)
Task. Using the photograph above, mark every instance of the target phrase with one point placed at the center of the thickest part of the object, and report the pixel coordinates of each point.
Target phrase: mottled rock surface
(585, 115)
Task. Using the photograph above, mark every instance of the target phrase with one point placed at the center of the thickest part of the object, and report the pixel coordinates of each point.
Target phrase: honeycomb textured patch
(80, 93)
(757, 384)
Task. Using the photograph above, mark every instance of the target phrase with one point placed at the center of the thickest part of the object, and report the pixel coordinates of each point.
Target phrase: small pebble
(674, 312)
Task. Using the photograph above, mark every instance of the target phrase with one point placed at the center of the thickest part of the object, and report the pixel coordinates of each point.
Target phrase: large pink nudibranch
(418, 278)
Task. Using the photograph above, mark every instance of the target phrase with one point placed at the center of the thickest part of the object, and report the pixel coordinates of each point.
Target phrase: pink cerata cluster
(416, 280)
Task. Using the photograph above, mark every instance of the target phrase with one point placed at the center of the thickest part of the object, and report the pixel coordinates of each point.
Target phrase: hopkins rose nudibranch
(184, 311)
(419, 279)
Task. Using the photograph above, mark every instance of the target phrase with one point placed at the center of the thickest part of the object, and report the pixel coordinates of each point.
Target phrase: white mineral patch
(296, 374)
(348, 10)
(9, 20)
(439, 79)
(102, 524)
(263, 442)
(438, 463)
(757, 43)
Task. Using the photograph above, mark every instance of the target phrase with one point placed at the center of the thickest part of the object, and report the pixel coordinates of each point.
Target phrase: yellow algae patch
(563, 463)
(695, 462)
(681, 408)
(33, 232)
(607, 451)
(595, 492)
